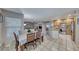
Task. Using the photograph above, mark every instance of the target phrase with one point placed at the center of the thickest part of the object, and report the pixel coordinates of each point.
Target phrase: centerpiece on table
(29, 31)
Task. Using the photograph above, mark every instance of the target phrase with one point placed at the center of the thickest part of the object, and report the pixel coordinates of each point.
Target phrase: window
(12, 25)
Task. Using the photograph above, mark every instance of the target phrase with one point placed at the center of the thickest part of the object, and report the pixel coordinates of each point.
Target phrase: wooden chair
(38, 37)
(22, 47)
(30, 39)
(16, 41)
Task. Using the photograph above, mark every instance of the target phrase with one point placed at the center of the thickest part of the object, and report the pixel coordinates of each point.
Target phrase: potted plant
(29, 30)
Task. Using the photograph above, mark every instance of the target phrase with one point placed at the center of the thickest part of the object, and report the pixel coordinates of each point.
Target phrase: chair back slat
(30, 37)
(38, 34)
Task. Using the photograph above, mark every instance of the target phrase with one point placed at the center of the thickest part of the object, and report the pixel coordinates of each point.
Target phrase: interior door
(0, 31)
(0, 28)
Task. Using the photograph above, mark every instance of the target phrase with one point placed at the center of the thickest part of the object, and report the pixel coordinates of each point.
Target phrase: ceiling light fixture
(24, 24)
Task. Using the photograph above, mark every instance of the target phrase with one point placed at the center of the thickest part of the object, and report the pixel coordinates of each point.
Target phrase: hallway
(51, 44)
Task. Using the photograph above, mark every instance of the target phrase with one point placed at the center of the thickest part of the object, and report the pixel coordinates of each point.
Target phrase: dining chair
(38, 37)
(16, 41)
(30, 39)
(22, 47)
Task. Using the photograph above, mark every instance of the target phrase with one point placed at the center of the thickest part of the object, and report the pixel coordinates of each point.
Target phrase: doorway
(70, 27)
(1, 21)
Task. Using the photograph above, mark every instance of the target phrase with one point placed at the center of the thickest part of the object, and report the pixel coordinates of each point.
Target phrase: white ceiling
(41, 14)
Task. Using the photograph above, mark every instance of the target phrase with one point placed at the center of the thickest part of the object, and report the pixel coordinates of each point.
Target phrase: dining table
(23, 37)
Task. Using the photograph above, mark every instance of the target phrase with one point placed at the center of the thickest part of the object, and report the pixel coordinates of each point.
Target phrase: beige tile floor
(64, 43)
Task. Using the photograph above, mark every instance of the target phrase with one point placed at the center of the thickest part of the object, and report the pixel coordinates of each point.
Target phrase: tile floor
(64, 43)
